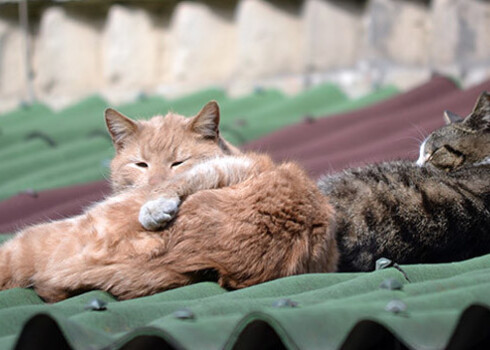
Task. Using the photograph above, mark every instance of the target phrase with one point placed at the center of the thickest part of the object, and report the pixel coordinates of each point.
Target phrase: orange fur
(247, 221)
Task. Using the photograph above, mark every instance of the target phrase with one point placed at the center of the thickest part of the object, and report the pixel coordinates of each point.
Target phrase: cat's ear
(206, 122)
(482, 105)
(450, 117)
(479, 119)
(120, 127)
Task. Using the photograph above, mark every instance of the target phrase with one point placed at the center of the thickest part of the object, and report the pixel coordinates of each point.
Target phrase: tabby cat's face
(462, 142)
(150, 152)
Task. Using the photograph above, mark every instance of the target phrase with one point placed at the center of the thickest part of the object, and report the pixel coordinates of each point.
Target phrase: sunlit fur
(160, 143)
(436, 210)
(270, 223)
(462, 142)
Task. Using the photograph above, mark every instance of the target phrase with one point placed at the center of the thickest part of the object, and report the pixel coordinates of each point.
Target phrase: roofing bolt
(96, 305)
(142, 96)
(25, 104)
(308, 119)
(284, 303)
(391, 284)
(259, 89)
(30, 192)
(241, 122)
(396, 306)
(184, 314)
(383, 263)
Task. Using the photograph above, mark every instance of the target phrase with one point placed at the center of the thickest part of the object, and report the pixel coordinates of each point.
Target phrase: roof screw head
(383, 263)
(258, 89)
(396, 306)
(391, 284)
(96, 305)
(25, 104)
(184, 314)
(142, 96)
(30, 192)
(241, 122)
(284, 303)
(308, 119)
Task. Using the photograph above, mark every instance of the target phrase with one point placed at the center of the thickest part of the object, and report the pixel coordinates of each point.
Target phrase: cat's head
(462, 141)
(149, 152)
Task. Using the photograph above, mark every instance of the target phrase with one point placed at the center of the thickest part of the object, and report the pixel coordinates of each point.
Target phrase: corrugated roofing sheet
(415, 307)
(443, 306)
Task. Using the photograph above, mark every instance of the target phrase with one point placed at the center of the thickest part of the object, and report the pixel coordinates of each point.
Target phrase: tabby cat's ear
(482, 105)
(450, 117)
(206, 122)
(120, 127)
(479, 119)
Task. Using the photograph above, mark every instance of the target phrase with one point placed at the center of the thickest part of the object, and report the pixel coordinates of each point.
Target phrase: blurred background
(58, 52)
(327, 83)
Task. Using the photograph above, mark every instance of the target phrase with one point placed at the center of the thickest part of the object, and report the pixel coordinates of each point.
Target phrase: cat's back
(409, 214)
(404, 175)
(277, 187)
(278, 216)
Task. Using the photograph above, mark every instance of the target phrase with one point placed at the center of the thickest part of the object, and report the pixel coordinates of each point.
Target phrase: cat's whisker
(422, 132)
(106, 175)
(416, 142)
(411, 138)
(330, 166)
(413, 153)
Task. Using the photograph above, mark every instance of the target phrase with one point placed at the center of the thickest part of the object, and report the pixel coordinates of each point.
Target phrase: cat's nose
(155, 180)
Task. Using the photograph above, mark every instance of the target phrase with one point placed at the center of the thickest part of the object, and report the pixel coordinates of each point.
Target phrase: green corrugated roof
(376, 96)
(318, 101)
(443, 306)
(64, 142)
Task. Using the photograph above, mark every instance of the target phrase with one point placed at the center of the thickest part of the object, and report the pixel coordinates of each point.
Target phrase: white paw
(155, 214)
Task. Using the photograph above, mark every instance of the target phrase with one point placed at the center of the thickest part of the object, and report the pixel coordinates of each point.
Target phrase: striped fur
(437, 210)
(409, 214)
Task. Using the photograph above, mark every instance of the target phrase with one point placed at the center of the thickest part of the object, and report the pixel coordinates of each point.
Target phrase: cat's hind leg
(125, 280)
(27, 254)
(16, 263)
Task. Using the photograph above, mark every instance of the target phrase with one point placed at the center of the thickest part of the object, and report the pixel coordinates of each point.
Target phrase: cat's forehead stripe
(164, 135)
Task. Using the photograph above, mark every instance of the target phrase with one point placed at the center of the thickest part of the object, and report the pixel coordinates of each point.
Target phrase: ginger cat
(241, 219)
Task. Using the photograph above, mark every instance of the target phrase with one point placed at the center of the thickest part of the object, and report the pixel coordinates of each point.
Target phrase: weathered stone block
(12, 64)
(460, 34)
(67, 56)
(332, 34)
(397, 31)
(131, 49)
(268, 39)
(202, 44)
(406, 78)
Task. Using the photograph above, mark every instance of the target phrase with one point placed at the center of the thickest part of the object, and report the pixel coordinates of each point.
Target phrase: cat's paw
(155, 214)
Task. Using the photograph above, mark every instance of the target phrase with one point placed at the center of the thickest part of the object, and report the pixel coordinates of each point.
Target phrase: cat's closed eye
(141, 165)
(446, 158)
(176, 164)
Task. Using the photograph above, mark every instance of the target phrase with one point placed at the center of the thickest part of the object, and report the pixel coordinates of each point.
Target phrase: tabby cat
(241, 218)
(462, 142)
(437, 210)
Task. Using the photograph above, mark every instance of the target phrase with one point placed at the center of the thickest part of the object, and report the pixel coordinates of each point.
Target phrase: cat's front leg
(210, 174)
(156, 213)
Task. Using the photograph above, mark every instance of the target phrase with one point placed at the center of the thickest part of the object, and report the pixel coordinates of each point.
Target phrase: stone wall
(13, 75)
(172, 47)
